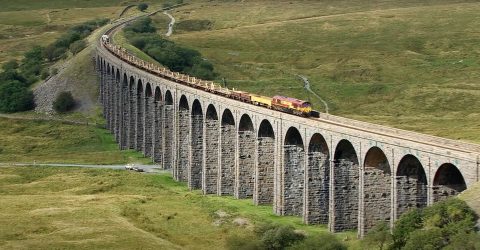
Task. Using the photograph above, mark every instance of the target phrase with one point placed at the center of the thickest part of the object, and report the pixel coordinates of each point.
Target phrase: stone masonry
(245, 172)
(211, 169)
(169, 139)
(157, 147)
(264, 171)
(196, 165)
(293, 180)
(317, 188)
(344, 201)
(148, 128)
(183, 150)
(227, 165)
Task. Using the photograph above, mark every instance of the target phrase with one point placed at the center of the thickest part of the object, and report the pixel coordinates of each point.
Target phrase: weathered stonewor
(245, 170)
(196, 165)
(293, 181)
(376, 198)
(108, 86)
(227, 161)
(133, 116)
(442, 192)
(264, 175)
(317, 189)
(183, 150)
(411, 193)
(168, 141)
(111, 100)
(140, 120)
(124, 122)
(210, 171)
(157, 147)
(344, 201)
(117, 108)
(148, 128)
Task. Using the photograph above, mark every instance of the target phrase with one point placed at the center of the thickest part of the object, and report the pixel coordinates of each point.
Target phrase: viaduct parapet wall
(331, 170)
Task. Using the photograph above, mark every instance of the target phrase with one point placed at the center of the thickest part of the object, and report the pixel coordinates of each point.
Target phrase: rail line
(213, 88)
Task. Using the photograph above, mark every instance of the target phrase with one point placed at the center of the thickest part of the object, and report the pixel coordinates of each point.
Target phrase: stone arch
(168, 98)
(317, 185)
(183, 140)
(245, 173)
(212, 141)
(140, 120)
(345, 188)
(132, 112)
(411, 185)
(293, 172)
(196, 165)
(376, 189)
(228, 141)
(157, 127)
(448, 181)
(169, 131)
(264, 170)
(148, 116)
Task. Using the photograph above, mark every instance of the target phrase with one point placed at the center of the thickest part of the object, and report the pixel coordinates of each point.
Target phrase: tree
(15, 97)
(142, 6)
(324, 241)
(64, 102)
(379, 235)
(77, 46)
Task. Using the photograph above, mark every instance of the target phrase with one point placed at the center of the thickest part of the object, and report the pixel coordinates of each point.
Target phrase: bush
(280, 237)
(15, 97)
(45, 74)
(323, 241)
(64, 102)
(379, 236)
(77, 46)
(142, 6)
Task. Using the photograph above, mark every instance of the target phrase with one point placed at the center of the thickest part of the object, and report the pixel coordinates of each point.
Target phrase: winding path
(170, 25)
(306, 85)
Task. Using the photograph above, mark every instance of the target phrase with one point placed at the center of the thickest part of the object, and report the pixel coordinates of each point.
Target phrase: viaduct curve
(329, 170)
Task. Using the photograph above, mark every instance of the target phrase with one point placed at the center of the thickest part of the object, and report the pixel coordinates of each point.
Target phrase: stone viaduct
(329, 170)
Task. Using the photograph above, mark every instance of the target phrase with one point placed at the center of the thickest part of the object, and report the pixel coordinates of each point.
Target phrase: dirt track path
(170, 25)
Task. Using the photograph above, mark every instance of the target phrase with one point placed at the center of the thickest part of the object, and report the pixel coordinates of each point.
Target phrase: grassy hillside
(51, 208)
(57, 142)
(407, 64)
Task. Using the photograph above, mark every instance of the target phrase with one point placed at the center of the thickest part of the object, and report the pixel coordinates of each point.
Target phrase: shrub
(45, 74)
(379, 236)
(77, 46)
(142, 6)
(15, 97)
(64, 102)
(323, 241)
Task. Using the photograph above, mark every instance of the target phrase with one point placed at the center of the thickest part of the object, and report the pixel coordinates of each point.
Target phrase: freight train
(280, 103)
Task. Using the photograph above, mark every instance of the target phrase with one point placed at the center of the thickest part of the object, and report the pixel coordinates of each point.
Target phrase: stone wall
(140, 121)
(124, 117)
(344, 201)
(157, 133)
(411, 193)
(210, 173)
(196, 165)
(133, 117)
(376, 198)
(442, 192)
(169, 142)
(183, 145)
(293, 182)
(317, 188)
(148, 128)
(264, 172)
(227, 161)
(245, 175)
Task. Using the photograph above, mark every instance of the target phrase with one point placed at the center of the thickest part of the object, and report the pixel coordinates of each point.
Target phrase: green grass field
(52, 208)
(406, 64)
(27, 141)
